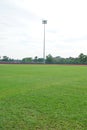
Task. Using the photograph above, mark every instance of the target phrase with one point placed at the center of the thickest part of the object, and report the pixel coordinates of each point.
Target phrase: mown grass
(43, 97)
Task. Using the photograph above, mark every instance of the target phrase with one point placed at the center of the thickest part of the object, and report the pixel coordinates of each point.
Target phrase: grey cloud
(54, 31)
(11, 15)
(69, 40)
(14, 24)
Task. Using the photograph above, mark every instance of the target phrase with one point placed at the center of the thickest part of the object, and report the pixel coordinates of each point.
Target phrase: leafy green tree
(40, 60)
(27, 60)
(49, 59)
(35, 59)
(5, 58)
(59, 60)
(83, 58)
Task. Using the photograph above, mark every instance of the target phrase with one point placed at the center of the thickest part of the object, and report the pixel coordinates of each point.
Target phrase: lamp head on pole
(44, 21)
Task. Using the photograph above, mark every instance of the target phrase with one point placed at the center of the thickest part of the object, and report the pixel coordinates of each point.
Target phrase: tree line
(81, 59)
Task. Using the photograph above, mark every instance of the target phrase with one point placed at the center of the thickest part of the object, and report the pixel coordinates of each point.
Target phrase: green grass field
(43, 97)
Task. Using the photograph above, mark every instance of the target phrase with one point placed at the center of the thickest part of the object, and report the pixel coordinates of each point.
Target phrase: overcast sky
(21, 28)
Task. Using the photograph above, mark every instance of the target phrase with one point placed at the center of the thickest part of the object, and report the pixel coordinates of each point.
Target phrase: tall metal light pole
(44, 22)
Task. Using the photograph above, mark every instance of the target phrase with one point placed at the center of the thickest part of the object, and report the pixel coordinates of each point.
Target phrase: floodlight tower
(44, 22)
